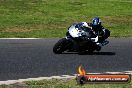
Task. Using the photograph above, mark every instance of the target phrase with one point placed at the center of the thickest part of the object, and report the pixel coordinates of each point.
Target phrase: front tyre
(61, 46)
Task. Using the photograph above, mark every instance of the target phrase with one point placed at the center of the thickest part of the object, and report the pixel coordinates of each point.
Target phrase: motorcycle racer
(97, 29)
(83, 38)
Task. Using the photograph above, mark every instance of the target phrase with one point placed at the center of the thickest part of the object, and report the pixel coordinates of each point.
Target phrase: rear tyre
(98, 48)
(87, 48)
(91, 48)
(61, 46)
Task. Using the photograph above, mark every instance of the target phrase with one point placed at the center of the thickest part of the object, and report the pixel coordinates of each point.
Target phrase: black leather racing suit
(100, 31)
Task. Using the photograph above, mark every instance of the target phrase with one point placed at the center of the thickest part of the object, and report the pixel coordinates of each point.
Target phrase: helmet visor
(95, 22)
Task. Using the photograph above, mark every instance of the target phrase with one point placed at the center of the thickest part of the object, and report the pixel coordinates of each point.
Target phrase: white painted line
(58, 38)
(21, 38)
(128, 72)
(114, 72)
(94, 73)
(8, 82)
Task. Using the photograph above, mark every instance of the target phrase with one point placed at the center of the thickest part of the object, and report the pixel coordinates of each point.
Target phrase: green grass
(63, 83)
(51, 18)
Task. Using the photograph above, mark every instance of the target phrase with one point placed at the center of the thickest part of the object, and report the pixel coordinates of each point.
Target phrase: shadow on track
(94, 53)
(103, 53)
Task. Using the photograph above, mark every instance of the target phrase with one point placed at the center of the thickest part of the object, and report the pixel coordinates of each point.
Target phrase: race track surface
(30, 58)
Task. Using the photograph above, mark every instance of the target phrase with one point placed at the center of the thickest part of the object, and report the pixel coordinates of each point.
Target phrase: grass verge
(63, 83)
(47, 19)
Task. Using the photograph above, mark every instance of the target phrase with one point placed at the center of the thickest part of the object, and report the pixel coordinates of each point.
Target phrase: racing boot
(105, 42)
(99, 45)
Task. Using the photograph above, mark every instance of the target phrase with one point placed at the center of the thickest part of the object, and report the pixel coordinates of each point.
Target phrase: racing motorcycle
(78, 39)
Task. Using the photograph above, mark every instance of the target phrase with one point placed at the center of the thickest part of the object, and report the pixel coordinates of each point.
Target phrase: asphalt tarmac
(31, 58)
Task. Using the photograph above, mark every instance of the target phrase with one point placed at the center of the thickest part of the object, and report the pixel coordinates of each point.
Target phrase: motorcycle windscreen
(74, 32)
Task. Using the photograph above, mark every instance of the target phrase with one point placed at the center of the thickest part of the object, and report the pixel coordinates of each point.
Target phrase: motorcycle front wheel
(61, 46)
